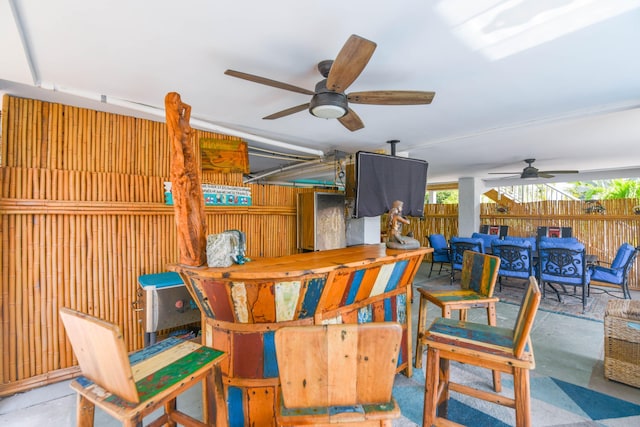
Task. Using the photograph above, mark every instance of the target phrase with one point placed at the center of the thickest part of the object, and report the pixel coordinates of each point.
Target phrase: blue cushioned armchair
(532, 240)
(562, 262)
(516, 259)
(486, 239)
(458, 246)
(441, 252)
(618, 272)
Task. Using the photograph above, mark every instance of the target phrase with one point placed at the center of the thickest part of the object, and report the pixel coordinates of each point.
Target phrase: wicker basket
(622, 342)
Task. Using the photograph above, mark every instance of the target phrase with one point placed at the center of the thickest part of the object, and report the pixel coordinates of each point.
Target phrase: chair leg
(492, 320)
(443, 388)
(422, 327)
(521, 391)
(431, 269)
(625, 290)
(170, 407)
(431, 385)
(440, 271)
(85, 412)
(214, 406)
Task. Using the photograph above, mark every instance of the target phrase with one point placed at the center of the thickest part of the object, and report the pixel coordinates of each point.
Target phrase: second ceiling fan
(329, 100)
(530, 172)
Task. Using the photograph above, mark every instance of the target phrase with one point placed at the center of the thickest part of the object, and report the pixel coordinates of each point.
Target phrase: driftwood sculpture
(188, 200)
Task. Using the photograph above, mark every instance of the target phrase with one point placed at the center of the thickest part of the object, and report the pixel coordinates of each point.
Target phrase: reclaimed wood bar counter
(243, 305)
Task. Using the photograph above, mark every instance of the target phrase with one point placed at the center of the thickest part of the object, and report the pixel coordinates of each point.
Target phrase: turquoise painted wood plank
(482, 333)
(401, 308)
(235, 406)
(355, 283)
(312, 296)
(270, 361)
(365, 314)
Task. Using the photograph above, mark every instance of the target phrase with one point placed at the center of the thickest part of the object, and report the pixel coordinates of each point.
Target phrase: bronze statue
(395, 239)
(188, 199)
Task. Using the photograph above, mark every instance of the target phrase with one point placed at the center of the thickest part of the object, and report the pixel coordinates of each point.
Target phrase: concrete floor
(566, 347)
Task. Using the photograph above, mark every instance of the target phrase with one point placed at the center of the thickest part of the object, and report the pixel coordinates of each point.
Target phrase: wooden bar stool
(340, 374)
(129, 387)
(478, 280)
(503, 349)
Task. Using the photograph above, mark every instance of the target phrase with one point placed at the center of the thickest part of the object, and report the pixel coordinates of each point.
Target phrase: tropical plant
(606, 189)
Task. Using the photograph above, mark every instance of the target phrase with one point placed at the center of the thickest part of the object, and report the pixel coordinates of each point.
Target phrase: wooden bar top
(304, 263)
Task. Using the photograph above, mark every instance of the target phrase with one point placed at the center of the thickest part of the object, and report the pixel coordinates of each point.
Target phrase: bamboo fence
(83, 215)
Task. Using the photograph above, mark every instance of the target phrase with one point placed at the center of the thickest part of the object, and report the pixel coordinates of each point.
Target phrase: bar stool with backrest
(479, 273)
(458, 246)
(504, 349)
(337, 374)
(129, 387)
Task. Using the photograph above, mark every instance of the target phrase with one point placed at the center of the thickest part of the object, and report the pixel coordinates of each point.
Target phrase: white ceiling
(555, 80)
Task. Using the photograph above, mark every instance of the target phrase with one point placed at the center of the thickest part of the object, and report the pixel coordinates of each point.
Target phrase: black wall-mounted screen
(381, 179)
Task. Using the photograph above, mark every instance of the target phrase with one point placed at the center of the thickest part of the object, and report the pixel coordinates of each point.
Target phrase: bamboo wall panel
(82, 216)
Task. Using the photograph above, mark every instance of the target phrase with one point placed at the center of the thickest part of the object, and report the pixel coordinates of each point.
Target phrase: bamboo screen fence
(83, 215)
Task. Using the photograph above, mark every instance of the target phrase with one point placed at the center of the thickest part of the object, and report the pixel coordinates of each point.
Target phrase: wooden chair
(129, 387)
(459, 245)
(492, 347)
(479, 273)
(337, 374)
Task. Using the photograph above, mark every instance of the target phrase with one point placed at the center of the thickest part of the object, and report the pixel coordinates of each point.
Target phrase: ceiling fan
(329, 100)
(529, 172)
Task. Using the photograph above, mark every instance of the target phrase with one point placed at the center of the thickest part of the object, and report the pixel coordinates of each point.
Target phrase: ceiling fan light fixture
(328, 105)
(328, 111)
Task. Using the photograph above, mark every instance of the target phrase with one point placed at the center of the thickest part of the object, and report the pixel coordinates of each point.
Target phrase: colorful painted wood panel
(247, 303)
(479, 272)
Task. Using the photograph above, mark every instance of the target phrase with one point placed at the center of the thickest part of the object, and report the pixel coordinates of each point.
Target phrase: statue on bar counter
(395, 239)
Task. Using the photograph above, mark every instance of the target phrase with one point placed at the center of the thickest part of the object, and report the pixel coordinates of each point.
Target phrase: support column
(469, 192)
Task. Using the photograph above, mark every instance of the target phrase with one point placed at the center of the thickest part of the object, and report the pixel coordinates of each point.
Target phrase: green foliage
(606, 189)
(448, 197)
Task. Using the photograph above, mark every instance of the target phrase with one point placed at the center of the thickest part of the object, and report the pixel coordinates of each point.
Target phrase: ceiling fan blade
(268, 82)
(351, 121)
(545, 175)
(505, 173)
(287, 112)
(391, 97)
(349, 63)
(557, 172)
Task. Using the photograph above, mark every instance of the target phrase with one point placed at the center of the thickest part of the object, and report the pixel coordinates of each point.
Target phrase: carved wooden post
(188, 200)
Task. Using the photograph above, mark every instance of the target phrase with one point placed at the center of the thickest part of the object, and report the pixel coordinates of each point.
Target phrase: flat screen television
(381, 179)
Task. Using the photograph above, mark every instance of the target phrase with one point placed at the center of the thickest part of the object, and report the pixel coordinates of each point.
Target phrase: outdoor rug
(553, 402)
